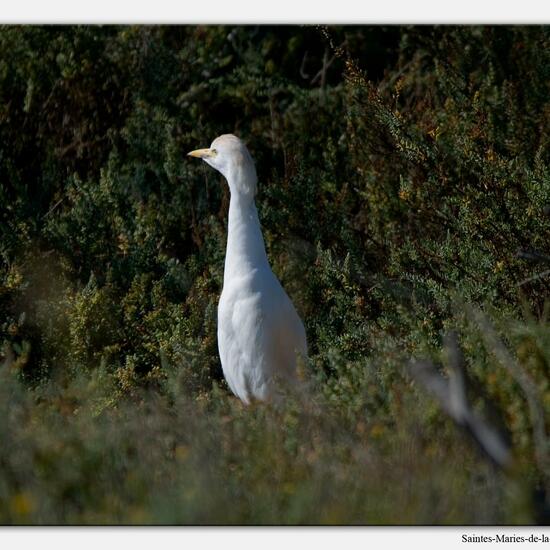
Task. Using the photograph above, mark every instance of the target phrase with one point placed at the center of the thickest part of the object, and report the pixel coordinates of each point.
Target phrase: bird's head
(229, 156)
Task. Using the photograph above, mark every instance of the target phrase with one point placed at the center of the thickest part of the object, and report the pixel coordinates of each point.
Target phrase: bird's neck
(245, 244)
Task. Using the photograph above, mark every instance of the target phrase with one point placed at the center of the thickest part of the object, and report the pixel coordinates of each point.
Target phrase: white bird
(260, 335)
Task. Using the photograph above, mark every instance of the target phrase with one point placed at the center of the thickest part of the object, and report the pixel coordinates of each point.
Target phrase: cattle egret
(260, 335)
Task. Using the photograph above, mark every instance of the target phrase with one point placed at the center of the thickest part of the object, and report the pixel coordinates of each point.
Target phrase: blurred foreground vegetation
(404, 189)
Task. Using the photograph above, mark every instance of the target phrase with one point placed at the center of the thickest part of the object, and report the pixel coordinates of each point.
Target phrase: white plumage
(260, 335)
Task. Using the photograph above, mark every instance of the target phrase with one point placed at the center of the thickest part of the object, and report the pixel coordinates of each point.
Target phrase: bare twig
(322, 73)
(452, 396)
(9, 357)
(303, 73)
(532, 255)
(536, 412)
(534, 277)
(53, 208)
(389, 83)
(79, 145)
(458, 401)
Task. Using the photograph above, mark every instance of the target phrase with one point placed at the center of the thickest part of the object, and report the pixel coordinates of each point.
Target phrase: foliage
(403, 178)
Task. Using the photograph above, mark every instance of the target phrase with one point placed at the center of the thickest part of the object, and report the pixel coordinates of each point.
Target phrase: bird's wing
(230, 346)
(259, 337)
(288, 333)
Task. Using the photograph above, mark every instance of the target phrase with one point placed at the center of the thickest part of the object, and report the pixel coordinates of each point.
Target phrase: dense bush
(404, 187)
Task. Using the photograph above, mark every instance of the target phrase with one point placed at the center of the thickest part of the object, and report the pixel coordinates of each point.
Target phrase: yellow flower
(181, 452)
(22, 504)
(377, 430)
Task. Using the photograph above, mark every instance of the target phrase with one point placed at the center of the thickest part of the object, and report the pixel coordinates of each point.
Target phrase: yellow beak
(202, 153)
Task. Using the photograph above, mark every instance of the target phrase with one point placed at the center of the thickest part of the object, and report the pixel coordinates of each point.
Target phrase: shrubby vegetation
(404, 188)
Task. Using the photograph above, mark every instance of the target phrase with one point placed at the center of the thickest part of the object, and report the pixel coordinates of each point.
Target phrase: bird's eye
(214, 152)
